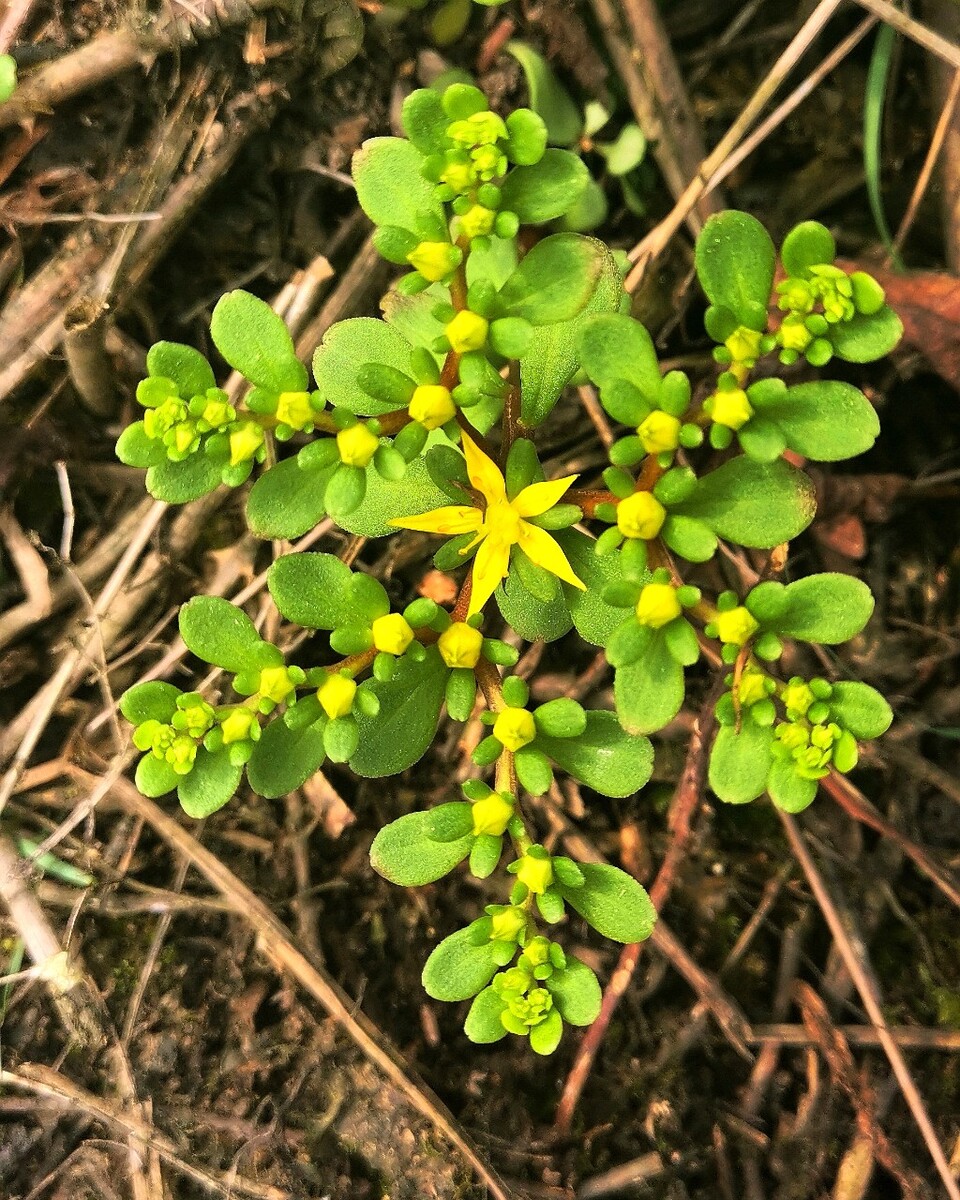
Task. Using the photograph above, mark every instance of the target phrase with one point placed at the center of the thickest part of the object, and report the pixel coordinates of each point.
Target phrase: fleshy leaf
(650, 691)
(483, 1024)
(287, 500)
(788, 790)
(219, 633)
(458, 969)
(576, 993)
(285, 758)
(864, 338)
(409, 711)
(402, 852)
(860, 709)
(753, 504)
(257, 343)
(313, 590)
(548, 98)
(350, 345)
(547, 189)
(612, 902)
(740, 762)
(735, 261)
(826, 420)
(605, 757)
(151, 701)
(555, 280)
(391, 189)
(828, 608)
(213, 781)
(186, 367)
(182, 482)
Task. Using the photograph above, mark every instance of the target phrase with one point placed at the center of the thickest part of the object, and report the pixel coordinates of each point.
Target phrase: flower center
(502, 521)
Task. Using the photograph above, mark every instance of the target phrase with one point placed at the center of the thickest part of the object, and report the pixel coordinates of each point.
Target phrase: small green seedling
(429, 420)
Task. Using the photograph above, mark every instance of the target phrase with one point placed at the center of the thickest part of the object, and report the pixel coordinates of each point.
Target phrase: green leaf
(649, 692)
(865, 338)
(186, 367)
(8, 77)
(152, 701)
(554, 356)
(287, 500)
(213, 780)
(350, 345)
(425, 121)
(613, 903)
(413, 318)
(312, 590)
(483, 1024)
(257, 343)
(753, 504)
(549, 99)
(545, 1037)
(740, 762)
(735, 261)
(555, 280)
(615, 346)
(826, 420)
(457, 969)
(137, 450)
(788, 790)
(220, 633)
(544, 191)
(391, 189)
(828, 608)
(594, 619)
(808, 244)
(182, 482)
(532, 618)
(155, 777)
(605, 757)
(860, 709)
(576, 992)
(410, 496)
(409, 711)
(404, 854)
(284, 758)
(627, 152)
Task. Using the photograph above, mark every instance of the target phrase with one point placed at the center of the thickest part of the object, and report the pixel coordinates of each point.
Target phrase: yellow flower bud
(491, 815)
(217, 413)
(435, 260)
(185, 437)
(507, 923)
(276, 684)
(293, 409)
(732, 409)
(752, 688)
(432, 406)
(659, 432)
(536, 873)
(391, 634)
(797, 698)
(744, 345)
(514, 728)
(640, 516)
(357, 445)
(794, 335)
(246, 438)
(658, 605)
(736, 626)
(477, 221)
(237, 725)
(460, 645)
(460, 176)
(336, 695)
(467, 331)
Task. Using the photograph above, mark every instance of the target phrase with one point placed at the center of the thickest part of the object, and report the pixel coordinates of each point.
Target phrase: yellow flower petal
(541, 549)
(539, 498)
(484, 473)
(489, 567)
(455, 518)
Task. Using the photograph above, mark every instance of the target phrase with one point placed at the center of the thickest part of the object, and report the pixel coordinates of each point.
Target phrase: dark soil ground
(189, 1022)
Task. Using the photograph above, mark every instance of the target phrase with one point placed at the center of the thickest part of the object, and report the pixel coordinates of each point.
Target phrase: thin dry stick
(689, 793)
(46, 700)
(42, 1081)
(866, 987)
(910, 1037)
(653, 244)
(922, 34)
(926, 171)
(15, 15)
(275, 942)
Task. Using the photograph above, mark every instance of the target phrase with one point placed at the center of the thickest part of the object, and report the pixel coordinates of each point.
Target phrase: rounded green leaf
(828, 608)
(860, 709)
(137, 450)
(186, 367)
(576, 992)
(613, 903)
(865, 338)
(405, 726)
(312, 590)
(211, 783)
(808, 244)
(740, 762)
(457, 969)
(284, 758)
(218, 632)
(546, 190)
(735, 261)
(554, 281)
(826, 420)
(549, 99)
(403, 852)
(545, 1037)
(391, 189)
(604, 757)
(753, 504)
(483, 1024)
(614, 346)
(155, 777)
(649, 692)
(533, 619)
(594, 619)
(287, 500)
(257, 343)
(626, 152)
(182, 482)
(347, 348)
(788, 790)
(151, 701)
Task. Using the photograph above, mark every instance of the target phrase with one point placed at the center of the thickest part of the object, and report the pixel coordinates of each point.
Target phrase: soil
(235, 1067)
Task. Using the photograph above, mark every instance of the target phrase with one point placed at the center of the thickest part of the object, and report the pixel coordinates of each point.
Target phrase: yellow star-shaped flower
(499, 526)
